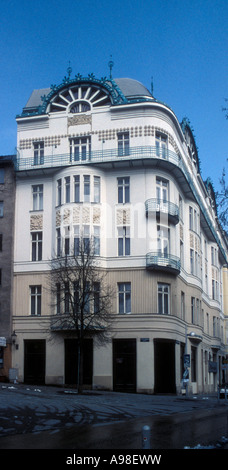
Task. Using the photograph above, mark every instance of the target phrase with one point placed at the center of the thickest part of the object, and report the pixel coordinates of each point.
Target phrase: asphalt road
(55, 418)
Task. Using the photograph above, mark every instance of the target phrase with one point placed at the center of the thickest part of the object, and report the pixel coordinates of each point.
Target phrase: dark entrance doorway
(164, 365)
(124, 365)
(71, 362)
(34, 362)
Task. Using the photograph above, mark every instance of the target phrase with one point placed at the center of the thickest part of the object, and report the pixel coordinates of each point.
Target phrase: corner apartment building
(105, 159)
(7, 204)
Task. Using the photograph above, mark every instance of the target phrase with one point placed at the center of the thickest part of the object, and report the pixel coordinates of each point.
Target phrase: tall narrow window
(37, 197)
(161, 145)
(59, 192)
(58, 298)
(163, 299)
(163, 240)
(38, 153)
(67, 241)
(182, 305)
(96, 297)
(96, 236)
(67, 189)
(77, 188)
(162, 190)
(124, 293)
(76, 240)
(86, 188)
(123, 144)
(86, 238)
(37, 240)
(35, 297)
(58, 242)
(123, 241)
(191, 219)
(96, 189)
(193, 308)
(123, 190)
(66, 297)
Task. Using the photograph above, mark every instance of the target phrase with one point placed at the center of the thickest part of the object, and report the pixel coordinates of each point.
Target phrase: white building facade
(105, 159)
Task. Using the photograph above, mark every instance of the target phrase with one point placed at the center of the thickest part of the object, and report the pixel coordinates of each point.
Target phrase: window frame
(124, 298)
(163, 298)
(35, 300)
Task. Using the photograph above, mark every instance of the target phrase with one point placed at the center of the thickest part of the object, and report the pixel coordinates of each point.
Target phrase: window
(162, 190)
(161, 145)
(37, 197)
(80, 107)
(192, 261)
(96, 235)
(86, 188)
(96, 189)
(123, 241)
(96, 297)
(58, 298)
(67, 189)
(2, 175)
(77, 188)
(38, 153)
(190, 218)
(80, 148)
(86, 238)
(1, 208)
(76, 240)
(163, 299)
(123, 190)
(193, 309)
(59, 192)
(58, 242)
(35, 294)
(182, 305)
(67, 241)
(66, 297)
(163, 240)
(123, 144)
(36, 238)
(124, 293)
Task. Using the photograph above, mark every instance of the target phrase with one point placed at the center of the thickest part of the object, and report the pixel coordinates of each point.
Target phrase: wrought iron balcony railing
(157, 206)
(163, 262)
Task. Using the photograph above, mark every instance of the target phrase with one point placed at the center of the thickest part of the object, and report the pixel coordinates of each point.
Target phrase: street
(56, 418)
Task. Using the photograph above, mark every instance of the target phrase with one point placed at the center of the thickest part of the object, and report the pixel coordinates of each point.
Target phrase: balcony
(158, 206)
(105, 156)
(163, 262)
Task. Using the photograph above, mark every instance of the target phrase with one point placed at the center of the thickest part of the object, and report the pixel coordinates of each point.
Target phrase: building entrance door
(34, 362)
(164, 366)
(124, 365)
(71, 362)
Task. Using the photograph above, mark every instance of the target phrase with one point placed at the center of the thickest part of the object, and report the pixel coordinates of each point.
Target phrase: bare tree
(82, 298)
(222, 199)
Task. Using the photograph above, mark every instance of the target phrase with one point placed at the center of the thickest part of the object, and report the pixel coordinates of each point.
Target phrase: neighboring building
(106, 159)
(7, 204)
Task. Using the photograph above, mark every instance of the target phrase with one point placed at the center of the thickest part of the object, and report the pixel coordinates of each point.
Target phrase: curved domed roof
(117, 91)
(132, 88)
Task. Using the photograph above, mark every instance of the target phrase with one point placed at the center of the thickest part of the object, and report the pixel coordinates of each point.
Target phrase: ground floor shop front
(142, 364)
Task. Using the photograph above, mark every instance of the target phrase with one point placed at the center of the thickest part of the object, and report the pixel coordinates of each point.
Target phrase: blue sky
(182, 44)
